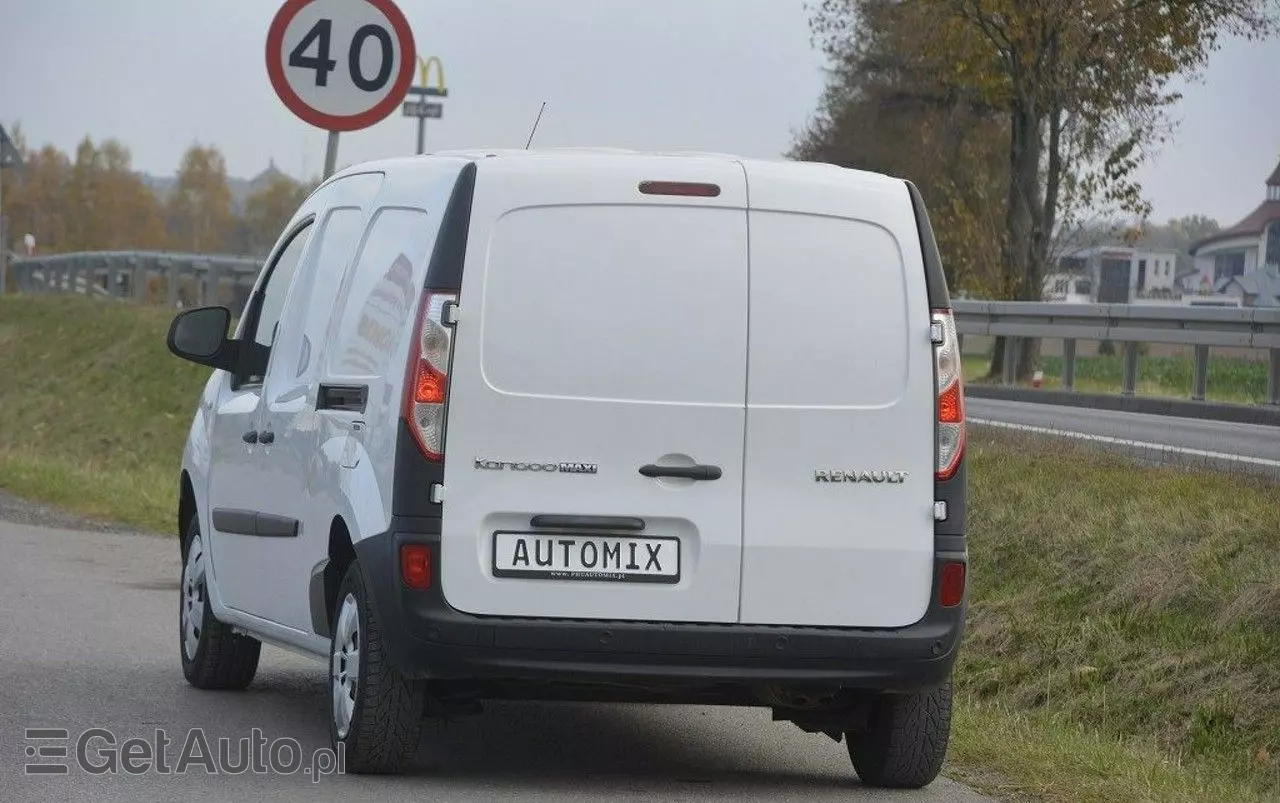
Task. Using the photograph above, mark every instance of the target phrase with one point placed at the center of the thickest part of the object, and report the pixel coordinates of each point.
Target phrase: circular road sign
(340, 65)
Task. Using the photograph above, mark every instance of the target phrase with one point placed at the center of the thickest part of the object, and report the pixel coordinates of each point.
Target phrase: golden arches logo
(424, 72)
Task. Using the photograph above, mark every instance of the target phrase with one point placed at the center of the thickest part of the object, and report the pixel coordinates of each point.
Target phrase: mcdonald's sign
(424, 74)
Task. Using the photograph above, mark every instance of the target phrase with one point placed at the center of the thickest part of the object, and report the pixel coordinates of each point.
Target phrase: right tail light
(950, 380)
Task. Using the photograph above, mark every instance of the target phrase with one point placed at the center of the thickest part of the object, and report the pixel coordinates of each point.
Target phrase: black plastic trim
(955, 493)
(935, 278)
(426, 637)
(587, 522)
(444, 271)
(347, 398)
(414, 473)
(238, 522)
(273, 526)
(698, 472)
(249, 522)
(317, 599)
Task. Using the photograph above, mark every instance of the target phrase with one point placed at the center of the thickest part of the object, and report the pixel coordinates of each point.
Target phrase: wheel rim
(346, 665)
(193, 596)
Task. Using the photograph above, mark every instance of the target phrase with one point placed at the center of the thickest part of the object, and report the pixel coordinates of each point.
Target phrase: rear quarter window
(382, 294)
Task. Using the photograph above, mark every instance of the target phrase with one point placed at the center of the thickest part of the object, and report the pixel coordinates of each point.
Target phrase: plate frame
(600, 577)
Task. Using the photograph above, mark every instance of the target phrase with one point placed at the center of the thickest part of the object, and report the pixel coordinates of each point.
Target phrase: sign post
(9, 157)
(422, 108)
(340, 66)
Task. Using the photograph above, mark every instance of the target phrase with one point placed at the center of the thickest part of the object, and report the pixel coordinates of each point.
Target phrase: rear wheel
(376, 712)
(213, 657)
(905, 739)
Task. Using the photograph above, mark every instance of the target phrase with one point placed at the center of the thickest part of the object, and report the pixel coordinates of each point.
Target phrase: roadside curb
(1183, 408)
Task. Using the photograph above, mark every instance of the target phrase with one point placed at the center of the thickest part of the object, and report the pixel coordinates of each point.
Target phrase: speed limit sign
(340, 65)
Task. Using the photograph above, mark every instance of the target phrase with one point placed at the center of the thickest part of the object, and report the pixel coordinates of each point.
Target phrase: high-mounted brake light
(686, 188)
(427, 378)
(950, 387)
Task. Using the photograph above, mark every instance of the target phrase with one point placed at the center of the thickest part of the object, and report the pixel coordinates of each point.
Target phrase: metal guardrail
(1132, 325)
(170, 278)
(194, 279)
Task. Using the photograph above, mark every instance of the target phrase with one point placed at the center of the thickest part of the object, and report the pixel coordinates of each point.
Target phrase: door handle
(250, 437)
(351, 398)
(696, 472)
(266, 437)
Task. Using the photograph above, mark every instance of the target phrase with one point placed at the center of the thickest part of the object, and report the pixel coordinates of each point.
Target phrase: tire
(905, 741)
(376, 716)
(213, 657)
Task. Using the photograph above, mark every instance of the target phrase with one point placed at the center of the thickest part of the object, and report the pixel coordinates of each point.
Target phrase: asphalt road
(88, 638)
(1192, 441)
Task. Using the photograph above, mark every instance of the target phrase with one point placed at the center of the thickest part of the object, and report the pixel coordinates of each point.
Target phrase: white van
(588, 425)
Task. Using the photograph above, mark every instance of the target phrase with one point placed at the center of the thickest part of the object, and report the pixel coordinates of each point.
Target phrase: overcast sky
(727, 75)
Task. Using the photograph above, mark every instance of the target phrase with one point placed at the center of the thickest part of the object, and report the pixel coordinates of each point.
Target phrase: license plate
(574, 556)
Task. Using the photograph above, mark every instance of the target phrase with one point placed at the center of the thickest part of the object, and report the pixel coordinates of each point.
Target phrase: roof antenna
(535, 125)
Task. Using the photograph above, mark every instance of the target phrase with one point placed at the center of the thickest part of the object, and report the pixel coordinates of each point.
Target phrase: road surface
(1191, 441)
(88, 638)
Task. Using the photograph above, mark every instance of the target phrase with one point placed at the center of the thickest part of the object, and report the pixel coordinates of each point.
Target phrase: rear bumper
(425, 637)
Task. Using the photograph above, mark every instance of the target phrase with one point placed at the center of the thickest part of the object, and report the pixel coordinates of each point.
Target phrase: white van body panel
(368, 340)
(776, 330)
(841, 379)
(599, 325)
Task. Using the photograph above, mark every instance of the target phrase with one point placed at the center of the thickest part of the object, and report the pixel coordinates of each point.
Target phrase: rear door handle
(698, 472)
(250, 437)
(267, 437)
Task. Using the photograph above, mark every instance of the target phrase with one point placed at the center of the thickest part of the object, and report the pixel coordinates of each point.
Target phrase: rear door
(838, 491)
(601, 330)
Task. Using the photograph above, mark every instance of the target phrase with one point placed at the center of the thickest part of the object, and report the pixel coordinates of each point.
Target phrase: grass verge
(94, 411)
(1124, 633)
(1230, 379)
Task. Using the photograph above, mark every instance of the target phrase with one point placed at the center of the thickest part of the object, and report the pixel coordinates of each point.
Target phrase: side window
(382, 294)
(266, 313)
(313, 298)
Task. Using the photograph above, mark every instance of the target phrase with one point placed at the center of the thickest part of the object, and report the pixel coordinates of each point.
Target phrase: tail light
(951, 585)
(426, 388)
(950, 379)
(415, 566)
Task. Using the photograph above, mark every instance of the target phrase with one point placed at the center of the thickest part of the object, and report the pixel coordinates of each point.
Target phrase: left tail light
(426, 390)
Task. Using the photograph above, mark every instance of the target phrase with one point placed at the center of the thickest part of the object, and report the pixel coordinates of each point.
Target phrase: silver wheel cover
(345, 665)
(193, 597)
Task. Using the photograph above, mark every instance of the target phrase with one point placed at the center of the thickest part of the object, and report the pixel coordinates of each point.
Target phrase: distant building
(1107, 274)
(1243, 261)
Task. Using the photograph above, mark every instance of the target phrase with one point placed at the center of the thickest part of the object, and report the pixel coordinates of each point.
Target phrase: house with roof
(1243, 261)
(1113, 274)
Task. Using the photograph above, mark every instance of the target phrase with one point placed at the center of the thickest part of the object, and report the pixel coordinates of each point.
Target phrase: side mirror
(200, 336)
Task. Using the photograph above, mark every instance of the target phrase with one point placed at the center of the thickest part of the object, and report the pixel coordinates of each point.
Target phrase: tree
(199, 209)
(108, 207)
(268, 210)
(885, 110)
(1082, 88)
(34, 197)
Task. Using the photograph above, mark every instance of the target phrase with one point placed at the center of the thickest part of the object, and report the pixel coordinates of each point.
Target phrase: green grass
(1137, 603)
(1230, 379)
(1124, 633)
(94, 411)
